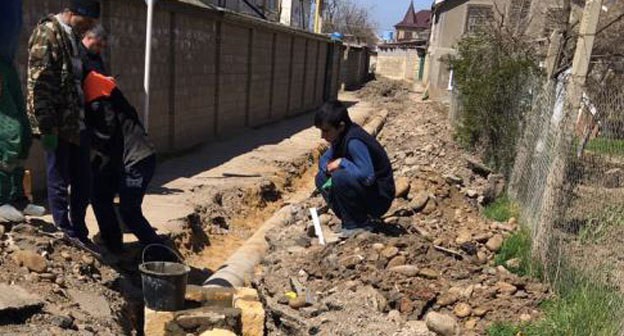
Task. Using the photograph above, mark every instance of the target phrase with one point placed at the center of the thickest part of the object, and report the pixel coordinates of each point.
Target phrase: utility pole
(148, 62)
(318, 17)
(552, 208)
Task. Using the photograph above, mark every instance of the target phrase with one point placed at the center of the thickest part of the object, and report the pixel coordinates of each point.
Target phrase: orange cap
(97, 86)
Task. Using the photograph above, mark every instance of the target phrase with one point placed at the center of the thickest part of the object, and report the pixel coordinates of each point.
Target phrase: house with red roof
(414, 26)
(404, 58)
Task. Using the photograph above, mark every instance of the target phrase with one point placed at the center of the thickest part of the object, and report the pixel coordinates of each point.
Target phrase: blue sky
(387, 13)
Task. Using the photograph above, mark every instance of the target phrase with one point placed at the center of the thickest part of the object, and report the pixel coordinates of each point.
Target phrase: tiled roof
(422, 19)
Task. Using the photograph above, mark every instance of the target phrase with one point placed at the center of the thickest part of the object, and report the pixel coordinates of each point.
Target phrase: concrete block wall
(299, 60)
(283, 62)
(334, 79)
(192, 103)
(355, 67)
(398, 64)
(319, 79)
(213, 73)
(233, 77)
(263, 50)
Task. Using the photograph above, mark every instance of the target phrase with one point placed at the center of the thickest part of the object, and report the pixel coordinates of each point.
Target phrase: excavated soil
(429, 255)
(75, 293)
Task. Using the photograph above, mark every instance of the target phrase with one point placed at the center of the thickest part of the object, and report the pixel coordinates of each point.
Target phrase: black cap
(89, 8)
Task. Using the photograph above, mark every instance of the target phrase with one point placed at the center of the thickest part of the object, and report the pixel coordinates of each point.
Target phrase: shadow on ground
(187, 164)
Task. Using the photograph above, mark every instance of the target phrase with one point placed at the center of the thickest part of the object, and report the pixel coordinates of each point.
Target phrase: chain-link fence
(566, 176)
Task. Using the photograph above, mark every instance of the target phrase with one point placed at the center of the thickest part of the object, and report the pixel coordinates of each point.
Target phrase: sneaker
(9, 214)
(348, 232)
(34, 210)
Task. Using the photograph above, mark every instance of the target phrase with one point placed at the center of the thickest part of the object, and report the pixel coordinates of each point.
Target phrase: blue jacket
(363, 157)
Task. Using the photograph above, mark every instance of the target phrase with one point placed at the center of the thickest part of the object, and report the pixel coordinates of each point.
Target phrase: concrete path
(264, 151)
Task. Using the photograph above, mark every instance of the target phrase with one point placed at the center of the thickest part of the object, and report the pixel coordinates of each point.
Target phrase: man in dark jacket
(94, 42)
(56, 111)
(355, 174)
(123, 162)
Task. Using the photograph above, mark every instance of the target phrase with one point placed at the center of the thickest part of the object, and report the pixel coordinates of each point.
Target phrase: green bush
(493, 77)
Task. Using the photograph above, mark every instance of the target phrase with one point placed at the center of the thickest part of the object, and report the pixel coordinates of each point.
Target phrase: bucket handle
(161, 245)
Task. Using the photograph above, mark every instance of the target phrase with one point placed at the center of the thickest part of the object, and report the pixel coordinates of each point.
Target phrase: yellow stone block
(253, 314)
(156, 322)
(244, 293)
(218, 332)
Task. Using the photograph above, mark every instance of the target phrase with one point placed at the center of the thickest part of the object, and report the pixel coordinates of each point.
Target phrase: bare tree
(351, 19)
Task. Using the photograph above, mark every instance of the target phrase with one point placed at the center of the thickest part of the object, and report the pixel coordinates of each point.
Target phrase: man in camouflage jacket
(56, 111)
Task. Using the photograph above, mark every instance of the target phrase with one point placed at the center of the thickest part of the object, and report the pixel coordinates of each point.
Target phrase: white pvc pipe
(317, 226)
(148, 61)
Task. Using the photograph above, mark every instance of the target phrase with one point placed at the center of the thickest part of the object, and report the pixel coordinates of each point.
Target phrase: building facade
(452, 19)
(296, 13)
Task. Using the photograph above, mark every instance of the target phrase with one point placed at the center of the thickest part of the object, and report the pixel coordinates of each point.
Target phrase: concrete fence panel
(213, 73)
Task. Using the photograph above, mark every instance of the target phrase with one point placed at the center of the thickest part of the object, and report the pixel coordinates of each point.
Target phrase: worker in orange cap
(123, 162)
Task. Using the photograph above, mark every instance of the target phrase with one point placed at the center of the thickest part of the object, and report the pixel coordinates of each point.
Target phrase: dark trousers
(69, 185)
(131, 184)
(12, 188)
(352, 201)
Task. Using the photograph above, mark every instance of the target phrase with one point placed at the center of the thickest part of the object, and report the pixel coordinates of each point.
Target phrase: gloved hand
(49, 142)
(327, 185)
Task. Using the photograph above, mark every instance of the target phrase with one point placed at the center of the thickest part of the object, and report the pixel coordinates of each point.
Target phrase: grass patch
(503, 329)
(598, 224)
(606, 146)
(518, 246)
(501, 210)
(583, 306)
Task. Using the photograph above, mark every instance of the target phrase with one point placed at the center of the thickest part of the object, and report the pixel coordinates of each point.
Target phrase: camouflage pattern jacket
(54, 103)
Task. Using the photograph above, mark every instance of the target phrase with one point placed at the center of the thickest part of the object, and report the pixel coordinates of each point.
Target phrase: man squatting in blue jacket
(355, 175)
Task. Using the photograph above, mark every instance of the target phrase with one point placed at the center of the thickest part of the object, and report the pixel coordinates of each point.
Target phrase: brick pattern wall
(261, 74)
(213, 74)
(192, 114)
(283, 62)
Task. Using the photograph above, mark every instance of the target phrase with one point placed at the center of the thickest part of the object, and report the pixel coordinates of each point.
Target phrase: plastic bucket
(164, 283)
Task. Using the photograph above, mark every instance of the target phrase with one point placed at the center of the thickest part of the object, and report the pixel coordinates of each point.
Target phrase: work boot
(9, 214)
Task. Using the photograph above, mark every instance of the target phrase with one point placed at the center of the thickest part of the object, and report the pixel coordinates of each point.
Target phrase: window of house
(555, 19)
(408, 35)
(478, 17)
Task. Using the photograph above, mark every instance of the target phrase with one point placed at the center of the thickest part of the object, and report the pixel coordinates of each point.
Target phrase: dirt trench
(354, 285)
(225, 218)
